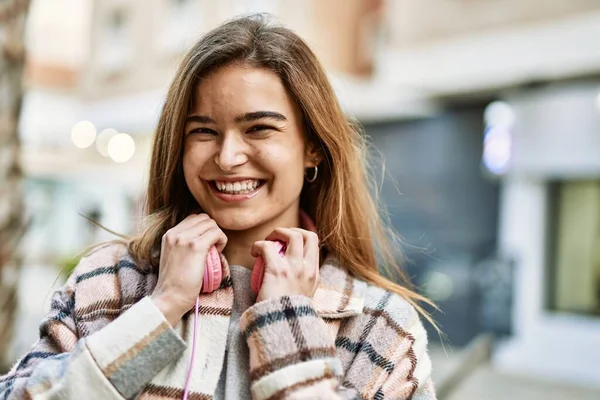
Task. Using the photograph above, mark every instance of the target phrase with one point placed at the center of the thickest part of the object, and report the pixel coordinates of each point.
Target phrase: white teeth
(237, 187)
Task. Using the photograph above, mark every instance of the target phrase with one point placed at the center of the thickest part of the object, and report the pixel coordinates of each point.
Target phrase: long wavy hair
(342, 200)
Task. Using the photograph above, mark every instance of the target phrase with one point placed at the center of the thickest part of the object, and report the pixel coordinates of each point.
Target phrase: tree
(12, 227)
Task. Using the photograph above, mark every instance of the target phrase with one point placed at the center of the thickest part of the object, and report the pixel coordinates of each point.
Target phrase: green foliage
(67, 264)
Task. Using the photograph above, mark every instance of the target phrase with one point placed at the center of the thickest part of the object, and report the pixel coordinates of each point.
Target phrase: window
(574, 249)
(183, 26)
(115, 50)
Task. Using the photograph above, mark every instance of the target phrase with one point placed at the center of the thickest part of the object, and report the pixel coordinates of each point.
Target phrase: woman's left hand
(295, 272)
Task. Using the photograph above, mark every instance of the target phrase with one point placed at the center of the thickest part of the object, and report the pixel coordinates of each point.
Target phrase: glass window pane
(576, 255)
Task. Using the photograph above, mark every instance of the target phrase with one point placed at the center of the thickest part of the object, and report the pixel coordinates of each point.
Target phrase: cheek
(286, 164)
(187, 163)
(194, 159)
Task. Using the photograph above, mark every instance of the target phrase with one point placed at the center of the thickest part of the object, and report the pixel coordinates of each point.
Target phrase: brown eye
(202, 131)
(260, 129)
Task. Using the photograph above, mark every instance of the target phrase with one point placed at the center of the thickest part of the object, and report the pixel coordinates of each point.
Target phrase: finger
(194, 230)
(199, 230)
(221, 241)
(184, 225)
(212, 237)
(190, 221)
(202, 244)
(311, 253)
(311, 243)
(203, 226)
(294, 241)
(266, 249)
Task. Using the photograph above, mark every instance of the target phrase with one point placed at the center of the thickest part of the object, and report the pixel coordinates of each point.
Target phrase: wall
(556, 135)
(443, 207)
(557, 131)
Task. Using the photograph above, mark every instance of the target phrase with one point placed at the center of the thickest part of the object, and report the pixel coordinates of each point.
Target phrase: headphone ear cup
(213, 272)
(258, 272)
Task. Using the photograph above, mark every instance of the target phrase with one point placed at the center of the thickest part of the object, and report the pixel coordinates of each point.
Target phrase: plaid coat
(105, 339)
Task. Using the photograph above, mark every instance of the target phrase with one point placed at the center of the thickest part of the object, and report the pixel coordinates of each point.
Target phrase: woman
(251, 147)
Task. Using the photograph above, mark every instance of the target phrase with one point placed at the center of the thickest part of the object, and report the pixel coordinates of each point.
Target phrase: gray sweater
(234, 382)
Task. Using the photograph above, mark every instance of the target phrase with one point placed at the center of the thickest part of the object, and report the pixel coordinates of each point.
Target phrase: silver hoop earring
(314, 177)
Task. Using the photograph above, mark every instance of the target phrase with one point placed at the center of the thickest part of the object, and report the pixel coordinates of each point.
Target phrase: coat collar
(339, 294)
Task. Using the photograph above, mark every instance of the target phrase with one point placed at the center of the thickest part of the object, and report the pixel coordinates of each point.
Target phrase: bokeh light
(83, 134)
(103, 140)
(497, 150)
(500, 114)
(438, 286)
(121, 147)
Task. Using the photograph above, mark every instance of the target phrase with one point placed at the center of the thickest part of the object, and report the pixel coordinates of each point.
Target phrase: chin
(236, 220)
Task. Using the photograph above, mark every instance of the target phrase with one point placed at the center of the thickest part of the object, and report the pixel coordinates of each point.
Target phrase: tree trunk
(12, 226)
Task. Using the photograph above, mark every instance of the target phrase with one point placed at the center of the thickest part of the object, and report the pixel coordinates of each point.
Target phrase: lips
(237, 187)
(235, 190)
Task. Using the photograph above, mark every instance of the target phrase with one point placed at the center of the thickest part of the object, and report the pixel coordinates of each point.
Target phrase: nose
(232, 152)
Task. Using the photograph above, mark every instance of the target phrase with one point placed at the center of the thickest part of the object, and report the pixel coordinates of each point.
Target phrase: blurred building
(543, 143)
(488, 114)
(63, 180)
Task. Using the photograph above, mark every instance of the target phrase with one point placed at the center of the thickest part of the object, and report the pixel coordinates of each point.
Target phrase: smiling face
(245, 150)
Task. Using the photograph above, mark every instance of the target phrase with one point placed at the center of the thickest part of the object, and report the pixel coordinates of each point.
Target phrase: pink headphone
(213, 274)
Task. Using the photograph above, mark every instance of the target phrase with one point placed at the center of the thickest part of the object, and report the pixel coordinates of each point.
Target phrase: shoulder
(106, 281)
(394, 308)
(389, 342)
(100, 258)
(341, 294)
(388, 318)
(105, 261)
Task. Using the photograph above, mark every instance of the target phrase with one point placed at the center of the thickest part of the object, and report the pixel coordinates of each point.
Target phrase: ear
(313, 155)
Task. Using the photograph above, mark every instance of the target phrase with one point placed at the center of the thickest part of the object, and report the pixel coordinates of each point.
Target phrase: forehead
(235, 89)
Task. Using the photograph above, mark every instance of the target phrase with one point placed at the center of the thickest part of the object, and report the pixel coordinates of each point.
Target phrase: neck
(239, 243)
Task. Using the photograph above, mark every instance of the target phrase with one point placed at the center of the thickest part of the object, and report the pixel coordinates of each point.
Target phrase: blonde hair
(349, 221)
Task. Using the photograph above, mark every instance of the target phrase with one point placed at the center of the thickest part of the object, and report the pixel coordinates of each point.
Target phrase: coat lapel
(213, 324)
(338, 295)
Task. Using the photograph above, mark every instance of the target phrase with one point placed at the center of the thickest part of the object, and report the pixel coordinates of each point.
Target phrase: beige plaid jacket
(105, 339)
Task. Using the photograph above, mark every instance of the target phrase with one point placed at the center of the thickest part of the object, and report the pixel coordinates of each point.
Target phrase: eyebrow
(202, 119)
(248, 117)
(253, 116)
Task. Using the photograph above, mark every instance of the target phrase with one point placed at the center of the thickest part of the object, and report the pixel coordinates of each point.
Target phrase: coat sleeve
(293, 356)
(115, 362)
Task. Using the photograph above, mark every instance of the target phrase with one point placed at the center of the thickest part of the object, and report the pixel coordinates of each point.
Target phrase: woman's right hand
(184, 249)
